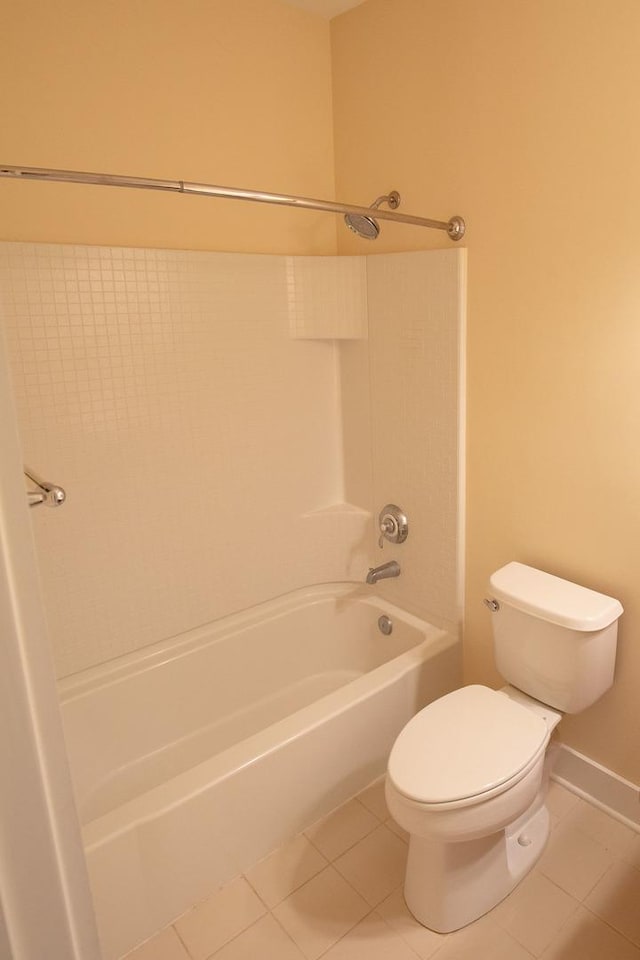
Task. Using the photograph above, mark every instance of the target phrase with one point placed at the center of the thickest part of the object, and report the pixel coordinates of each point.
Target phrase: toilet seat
(466, 747)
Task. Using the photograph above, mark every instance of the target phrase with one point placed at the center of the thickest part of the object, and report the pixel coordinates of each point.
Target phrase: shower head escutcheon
(368, 227)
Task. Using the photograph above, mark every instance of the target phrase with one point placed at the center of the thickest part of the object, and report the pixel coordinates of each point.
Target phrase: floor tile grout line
(177, 933)
(240, 933)
(211, 956)
(581, 903)
(606, 847)
(268, 909)
(433, 956)
(537, 870)
(611, 926)
(362, 897)
(379, 823)
(346, 933)
(582, 805)
(328, 863)
(574, 911)
(239, 876)
(404, 838)
(269, 912)
(251, 887)
(521, 945)
(600, 878)
(358, 795)
(374, 906)
(617, 860)
(607, 850)
(397, 932)
(284, 929)
(293, 890)
(331, 864)
(335, 944)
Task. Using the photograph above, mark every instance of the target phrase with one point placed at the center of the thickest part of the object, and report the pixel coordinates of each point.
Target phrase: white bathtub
(195, 757)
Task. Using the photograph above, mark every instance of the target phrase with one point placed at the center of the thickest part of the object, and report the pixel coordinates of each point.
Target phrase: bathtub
(195, 757)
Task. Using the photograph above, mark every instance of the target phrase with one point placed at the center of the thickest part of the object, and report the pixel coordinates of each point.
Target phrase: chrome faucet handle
(393, 525)
(388, 529)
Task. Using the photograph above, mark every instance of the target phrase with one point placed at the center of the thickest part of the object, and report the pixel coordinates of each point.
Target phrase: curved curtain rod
(455, 227)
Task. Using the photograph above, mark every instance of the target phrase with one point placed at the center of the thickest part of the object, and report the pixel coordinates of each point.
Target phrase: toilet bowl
(475, 812)
(467, 776)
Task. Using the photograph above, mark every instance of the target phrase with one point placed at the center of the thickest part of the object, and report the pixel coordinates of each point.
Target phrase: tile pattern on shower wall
(327, 297)
(416, 303)
(193, 435)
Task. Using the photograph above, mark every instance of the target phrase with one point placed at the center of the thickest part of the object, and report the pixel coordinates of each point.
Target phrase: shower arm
(455, 227)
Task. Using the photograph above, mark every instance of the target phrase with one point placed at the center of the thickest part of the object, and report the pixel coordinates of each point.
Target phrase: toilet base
(449, 885)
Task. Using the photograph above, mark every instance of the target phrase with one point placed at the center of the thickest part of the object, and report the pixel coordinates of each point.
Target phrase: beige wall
(518, 116)
(234, 92)
(523, 118)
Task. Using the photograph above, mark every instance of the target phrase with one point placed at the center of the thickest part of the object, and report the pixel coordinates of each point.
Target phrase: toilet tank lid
(553, 599)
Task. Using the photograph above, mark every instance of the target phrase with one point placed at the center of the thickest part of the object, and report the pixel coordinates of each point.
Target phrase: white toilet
(466, 777)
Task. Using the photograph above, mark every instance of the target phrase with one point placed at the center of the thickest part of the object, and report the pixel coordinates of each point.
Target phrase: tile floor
(335, 892)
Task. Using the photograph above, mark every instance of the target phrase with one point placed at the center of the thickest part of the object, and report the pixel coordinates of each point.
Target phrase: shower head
(368, 227)
(365, 227)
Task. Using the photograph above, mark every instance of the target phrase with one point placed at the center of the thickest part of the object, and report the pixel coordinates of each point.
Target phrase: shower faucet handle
(388, 529)
(393, 525)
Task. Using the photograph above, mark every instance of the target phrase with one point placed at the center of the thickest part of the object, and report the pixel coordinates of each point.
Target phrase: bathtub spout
(383, 572)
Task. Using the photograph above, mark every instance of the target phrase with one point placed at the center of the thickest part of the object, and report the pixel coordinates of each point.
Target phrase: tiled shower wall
(207, 444)
(417, 348)
(197, 442)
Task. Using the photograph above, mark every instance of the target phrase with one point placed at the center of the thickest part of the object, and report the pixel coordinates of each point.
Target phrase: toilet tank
(554, 640)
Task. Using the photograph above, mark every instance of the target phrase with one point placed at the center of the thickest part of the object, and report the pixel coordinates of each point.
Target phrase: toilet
(467, 776)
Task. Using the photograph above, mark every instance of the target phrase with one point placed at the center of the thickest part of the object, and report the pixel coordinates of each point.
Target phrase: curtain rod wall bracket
(456, 228)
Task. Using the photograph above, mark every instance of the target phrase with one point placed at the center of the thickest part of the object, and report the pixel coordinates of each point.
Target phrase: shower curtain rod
(454, 227)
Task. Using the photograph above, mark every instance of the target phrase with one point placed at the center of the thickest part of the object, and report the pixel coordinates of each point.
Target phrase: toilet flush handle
(493, 605)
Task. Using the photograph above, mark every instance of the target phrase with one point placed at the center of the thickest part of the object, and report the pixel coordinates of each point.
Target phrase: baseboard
(602, 787)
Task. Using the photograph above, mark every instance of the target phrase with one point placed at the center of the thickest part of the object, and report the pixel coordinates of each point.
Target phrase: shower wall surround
(191, 405)
(327, 297)
(404, 442)
(417, 421)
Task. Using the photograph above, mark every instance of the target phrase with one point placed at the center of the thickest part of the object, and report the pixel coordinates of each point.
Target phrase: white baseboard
(602, 787)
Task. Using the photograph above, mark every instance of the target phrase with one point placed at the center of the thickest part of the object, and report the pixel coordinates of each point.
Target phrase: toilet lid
(464, 744)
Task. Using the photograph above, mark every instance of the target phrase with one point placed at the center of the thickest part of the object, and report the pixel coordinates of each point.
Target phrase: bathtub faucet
(384, 571)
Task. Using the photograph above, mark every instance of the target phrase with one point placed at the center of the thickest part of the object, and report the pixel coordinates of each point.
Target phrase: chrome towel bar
(48, 493)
